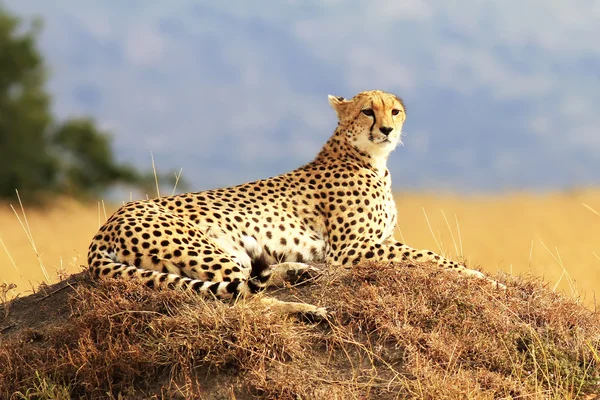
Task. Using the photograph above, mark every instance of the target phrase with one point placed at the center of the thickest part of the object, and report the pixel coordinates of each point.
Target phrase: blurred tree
(37, 154)
(87, 162)
(25, 118)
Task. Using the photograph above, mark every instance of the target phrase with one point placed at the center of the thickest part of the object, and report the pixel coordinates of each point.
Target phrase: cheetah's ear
(339, 104)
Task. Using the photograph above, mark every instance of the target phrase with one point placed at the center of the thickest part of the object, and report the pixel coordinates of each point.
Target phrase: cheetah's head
(372, 121)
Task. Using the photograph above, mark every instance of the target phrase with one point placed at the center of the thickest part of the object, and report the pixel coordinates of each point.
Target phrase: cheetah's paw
(315, 315)
(294, 273)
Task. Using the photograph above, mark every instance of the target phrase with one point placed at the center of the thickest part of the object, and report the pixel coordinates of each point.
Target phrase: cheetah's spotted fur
(337, 209)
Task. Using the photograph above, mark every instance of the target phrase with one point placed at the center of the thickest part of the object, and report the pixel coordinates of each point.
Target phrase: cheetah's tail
(260, 271)
(106, 264)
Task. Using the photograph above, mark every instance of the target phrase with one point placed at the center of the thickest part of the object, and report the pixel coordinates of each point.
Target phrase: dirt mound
(396, 332)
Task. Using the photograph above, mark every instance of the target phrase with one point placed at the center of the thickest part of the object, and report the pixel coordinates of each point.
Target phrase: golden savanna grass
(553, 235)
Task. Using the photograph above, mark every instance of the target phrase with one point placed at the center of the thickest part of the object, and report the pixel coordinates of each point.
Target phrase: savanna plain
(549, 235)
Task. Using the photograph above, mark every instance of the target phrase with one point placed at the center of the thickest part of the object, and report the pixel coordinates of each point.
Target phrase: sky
(499, 95)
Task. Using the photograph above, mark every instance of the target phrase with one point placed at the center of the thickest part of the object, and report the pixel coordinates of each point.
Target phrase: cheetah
(234, 242)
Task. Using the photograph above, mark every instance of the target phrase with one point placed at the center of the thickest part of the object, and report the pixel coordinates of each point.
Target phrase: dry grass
(397, 332)
(552, 236)
(61, 234)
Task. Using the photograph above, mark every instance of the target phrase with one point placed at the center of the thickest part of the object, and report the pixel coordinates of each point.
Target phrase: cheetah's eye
(368, 112)
(395, 111)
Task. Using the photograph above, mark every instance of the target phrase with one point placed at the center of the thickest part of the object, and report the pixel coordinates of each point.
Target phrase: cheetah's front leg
(393, 250)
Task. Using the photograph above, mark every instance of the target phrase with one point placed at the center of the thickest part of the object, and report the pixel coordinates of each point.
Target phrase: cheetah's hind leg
(292, 272)
(308, 311)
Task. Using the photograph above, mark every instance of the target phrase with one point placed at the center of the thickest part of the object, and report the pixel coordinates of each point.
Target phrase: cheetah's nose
(385, 130)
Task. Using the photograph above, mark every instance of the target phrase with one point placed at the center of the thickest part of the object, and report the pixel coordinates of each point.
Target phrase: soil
(49, 305)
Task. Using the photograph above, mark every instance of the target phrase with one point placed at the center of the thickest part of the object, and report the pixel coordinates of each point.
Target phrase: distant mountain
(499, 94)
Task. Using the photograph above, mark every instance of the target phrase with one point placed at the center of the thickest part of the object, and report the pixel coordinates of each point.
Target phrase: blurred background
(502, 138)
